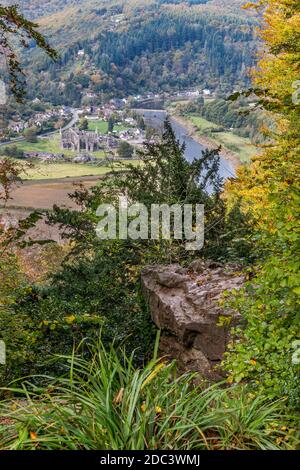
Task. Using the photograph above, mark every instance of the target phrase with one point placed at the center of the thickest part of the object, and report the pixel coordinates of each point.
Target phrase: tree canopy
(269, 188)
(14, 26)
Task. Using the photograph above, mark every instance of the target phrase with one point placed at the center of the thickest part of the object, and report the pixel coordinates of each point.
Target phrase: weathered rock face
(184, 304)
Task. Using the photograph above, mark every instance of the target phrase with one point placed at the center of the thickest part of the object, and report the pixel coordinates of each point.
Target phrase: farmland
(43, 171)
(43, 194)
(240, 145)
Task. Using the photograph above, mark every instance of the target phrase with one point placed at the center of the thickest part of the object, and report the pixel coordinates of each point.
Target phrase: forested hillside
(36, 8)
(133, 47)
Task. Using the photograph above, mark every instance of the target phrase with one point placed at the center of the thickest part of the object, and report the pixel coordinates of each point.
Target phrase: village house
(18, 126)
(117, 103)
(130, 121)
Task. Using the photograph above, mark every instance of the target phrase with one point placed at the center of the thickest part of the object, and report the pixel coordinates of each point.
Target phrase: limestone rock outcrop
(184, 304)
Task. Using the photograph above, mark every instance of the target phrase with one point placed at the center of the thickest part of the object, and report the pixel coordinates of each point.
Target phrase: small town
(90, 132)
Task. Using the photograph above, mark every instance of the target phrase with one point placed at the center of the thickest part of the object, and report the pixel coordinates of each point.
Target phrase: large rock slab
(185, 304)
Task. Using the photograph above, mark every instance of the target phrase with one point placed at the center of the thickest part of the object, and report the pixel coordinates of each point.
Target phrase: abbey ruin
(77, 140)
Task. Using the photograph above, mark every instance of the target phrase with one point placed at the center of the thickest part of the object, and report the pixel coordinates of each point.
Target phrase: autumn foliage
(269, 189)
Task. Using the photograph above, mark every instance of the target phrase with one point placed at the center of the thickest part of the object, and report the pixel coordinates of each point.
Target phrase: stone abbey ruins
(77, 140)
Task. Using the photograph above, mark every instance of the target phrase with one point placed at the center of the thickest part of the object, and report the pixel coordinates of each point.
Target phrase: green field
(239, 145)
(202, 124)
(50, 144)
(102, 126)
(63, 170)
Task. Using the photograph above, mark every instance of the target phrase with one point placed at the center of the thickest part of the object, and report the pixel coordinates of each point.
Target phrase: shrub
(125, 150)
(14, 152)
(93, 290)
(262, 353)
(31, 135)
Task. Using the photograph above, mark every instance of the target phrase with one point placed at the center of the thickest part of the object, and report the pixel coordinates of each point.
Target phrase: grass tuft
(105, 403)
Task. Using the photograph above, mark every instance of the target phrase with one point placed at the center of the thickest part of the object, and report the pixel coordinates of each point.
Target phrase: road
(75, 118)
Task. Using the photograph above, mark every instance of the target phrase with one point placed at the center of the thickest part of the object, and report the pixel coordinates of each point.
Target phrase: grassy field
(202, 124)
(102, 126)
(240, 145)
(45, 171)
(63, 170)
(51, 144)
(183, 102)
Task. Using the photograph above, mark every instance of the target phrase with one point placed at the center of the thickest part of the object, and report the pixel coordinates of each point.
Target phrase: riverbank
(193, 132)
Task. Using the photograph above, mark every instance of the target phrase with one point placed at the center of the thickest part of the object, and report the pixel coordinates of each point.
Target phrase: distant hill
(116, 48)
(38, 8)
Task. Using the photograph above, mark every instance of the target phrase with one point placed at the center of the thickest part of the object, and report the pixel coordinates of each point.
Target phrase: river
(193, 149)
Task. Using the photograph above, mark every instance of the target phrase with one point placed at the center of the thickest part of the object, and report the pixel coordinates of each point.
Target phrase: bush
(93, 291)
(12, 284)
(31, 135)
(108, 404)
(263, 353)
(125, 150)
(14, 152)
